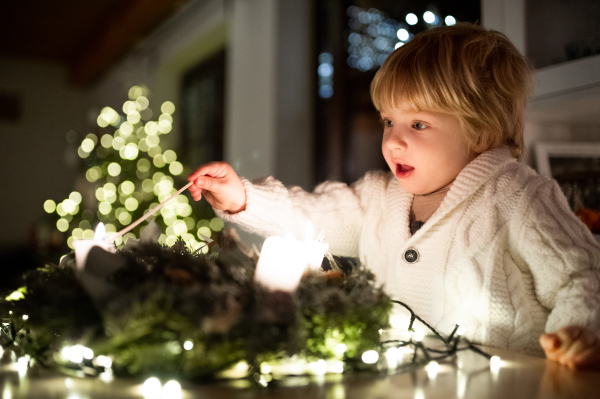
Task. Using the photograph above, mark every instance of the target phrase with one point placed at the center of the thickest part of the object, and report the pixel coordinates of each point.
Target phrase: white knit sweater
(503, 252)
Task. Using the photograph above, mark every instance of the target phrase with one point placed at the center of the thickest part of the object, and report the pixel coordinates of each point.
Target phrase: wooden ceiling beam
(119, 35)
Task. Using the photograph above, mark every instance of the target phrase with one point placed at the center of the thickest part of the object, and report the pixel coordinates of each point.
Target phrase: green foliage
(166, 296)
(342, 310)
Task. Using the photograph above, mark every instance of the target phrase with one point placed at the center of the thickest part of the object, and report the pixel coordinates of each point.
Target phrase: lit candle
(283, 260)
(280, 266)
(83, 247)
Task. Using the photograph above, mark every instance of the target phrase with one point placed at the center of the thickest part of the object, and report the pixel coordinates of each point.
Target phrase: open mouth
(403, 170)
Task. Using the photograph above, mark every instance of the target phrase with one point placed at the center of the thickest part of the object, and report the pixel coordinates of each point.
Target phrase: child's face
(425, 150)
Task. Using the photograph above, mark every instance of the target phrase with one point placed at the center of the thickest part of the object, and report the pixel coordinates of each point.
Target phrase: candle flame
(100, 232)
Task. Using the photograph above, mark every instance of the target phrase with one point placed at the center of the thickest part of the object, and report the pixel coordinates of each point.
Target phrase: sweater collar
(474, 175)
(469, 180)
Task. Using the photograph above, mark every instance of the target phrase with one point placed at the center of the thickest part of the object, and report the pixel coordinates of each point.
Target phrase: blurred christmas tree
(127, 173)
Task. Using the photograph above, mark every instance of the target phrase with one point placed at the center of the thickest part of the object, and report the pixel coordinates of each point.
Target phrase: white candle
(280, 266)
(83, 247)
(283, 260)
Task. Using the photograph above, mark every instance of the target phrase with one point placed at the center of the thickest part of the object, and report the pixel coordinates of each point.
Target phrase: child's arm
(573, 346)
(270, 208)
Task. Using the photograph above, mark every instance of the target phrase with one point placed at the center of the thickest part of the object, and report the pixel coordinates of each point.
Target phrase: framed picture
(576, 168)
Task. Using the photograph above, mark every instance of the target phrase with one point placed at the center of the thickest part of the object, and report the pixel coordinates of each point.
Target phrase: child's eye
(387, 123)
(419, 125)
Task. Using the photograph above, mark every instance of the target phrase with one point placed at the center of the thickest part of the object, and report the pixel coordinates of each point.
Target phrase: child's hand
(221, 186)
(574, 346)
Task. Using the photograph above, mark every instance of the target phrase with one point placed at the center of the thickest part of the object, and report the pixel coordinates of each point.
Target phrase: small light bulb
(461, 330)
(103, 361)
(419, 335)
(370, 357)
(319, 367)
(338, 367)
(23, 365)
(391, 356)
(495, 363)
(432, 369)
(151, 388)
(75, 354)
(171, 390)
(87, 353)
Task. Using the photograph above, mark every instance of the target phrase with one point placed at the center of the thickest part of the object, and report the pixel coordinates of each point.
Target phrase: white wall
(269, 110)
(196, 32)
(268, 92)
(565, 105)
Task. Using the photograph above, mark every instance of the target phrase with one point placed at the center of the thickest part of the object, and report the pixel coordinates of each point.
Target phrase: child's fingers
(588, 358)
(585, 340)
(197, 196)
(549, 342)
(214, 169)
(207, 183)
(196, 192)
(568, 335)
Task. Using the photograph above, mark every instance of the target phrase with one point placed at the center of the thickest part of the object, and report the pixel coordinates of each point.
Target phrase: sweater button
(411, 255)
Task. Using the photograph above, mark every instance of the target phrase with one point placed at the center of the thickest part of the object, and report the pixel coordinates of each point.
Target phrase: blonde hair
(475, 74)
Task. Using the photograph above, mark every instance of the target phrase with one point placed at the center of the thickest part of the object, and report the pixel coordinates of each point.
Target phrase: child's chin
(411, 188)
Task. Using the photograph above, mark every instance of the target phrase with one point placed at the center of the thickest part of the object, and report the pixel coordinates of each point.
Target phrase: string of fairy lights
(398, 354)
(118, 193)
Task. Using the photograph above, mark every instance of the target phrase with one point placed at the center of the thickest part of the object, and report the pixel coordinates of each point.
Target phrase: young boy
(460, 229)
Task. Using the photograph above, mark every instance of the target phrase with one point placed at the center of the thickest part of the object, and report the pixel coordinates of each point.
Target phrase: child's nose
(395, 141)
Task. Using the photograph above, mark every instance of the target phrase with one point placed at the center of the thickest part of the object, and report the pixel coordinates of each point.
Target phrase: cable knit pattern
(503, 252)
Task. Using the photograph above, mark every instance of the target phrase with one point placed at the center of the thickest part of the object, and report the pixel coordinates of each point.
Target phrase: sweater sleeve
(274, 209)
(563, 257)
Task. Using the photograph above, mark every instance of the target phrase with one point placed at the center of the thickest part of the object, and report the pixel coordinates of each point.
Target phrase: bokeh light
(403, 34)
(176, 168)
(429, 17)
(167, 107)
(127, 187)
(217, 224)
(75, 197)
(122, 161)
(49, 206)
(114, 169)
(62, 224)
(170, 156)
